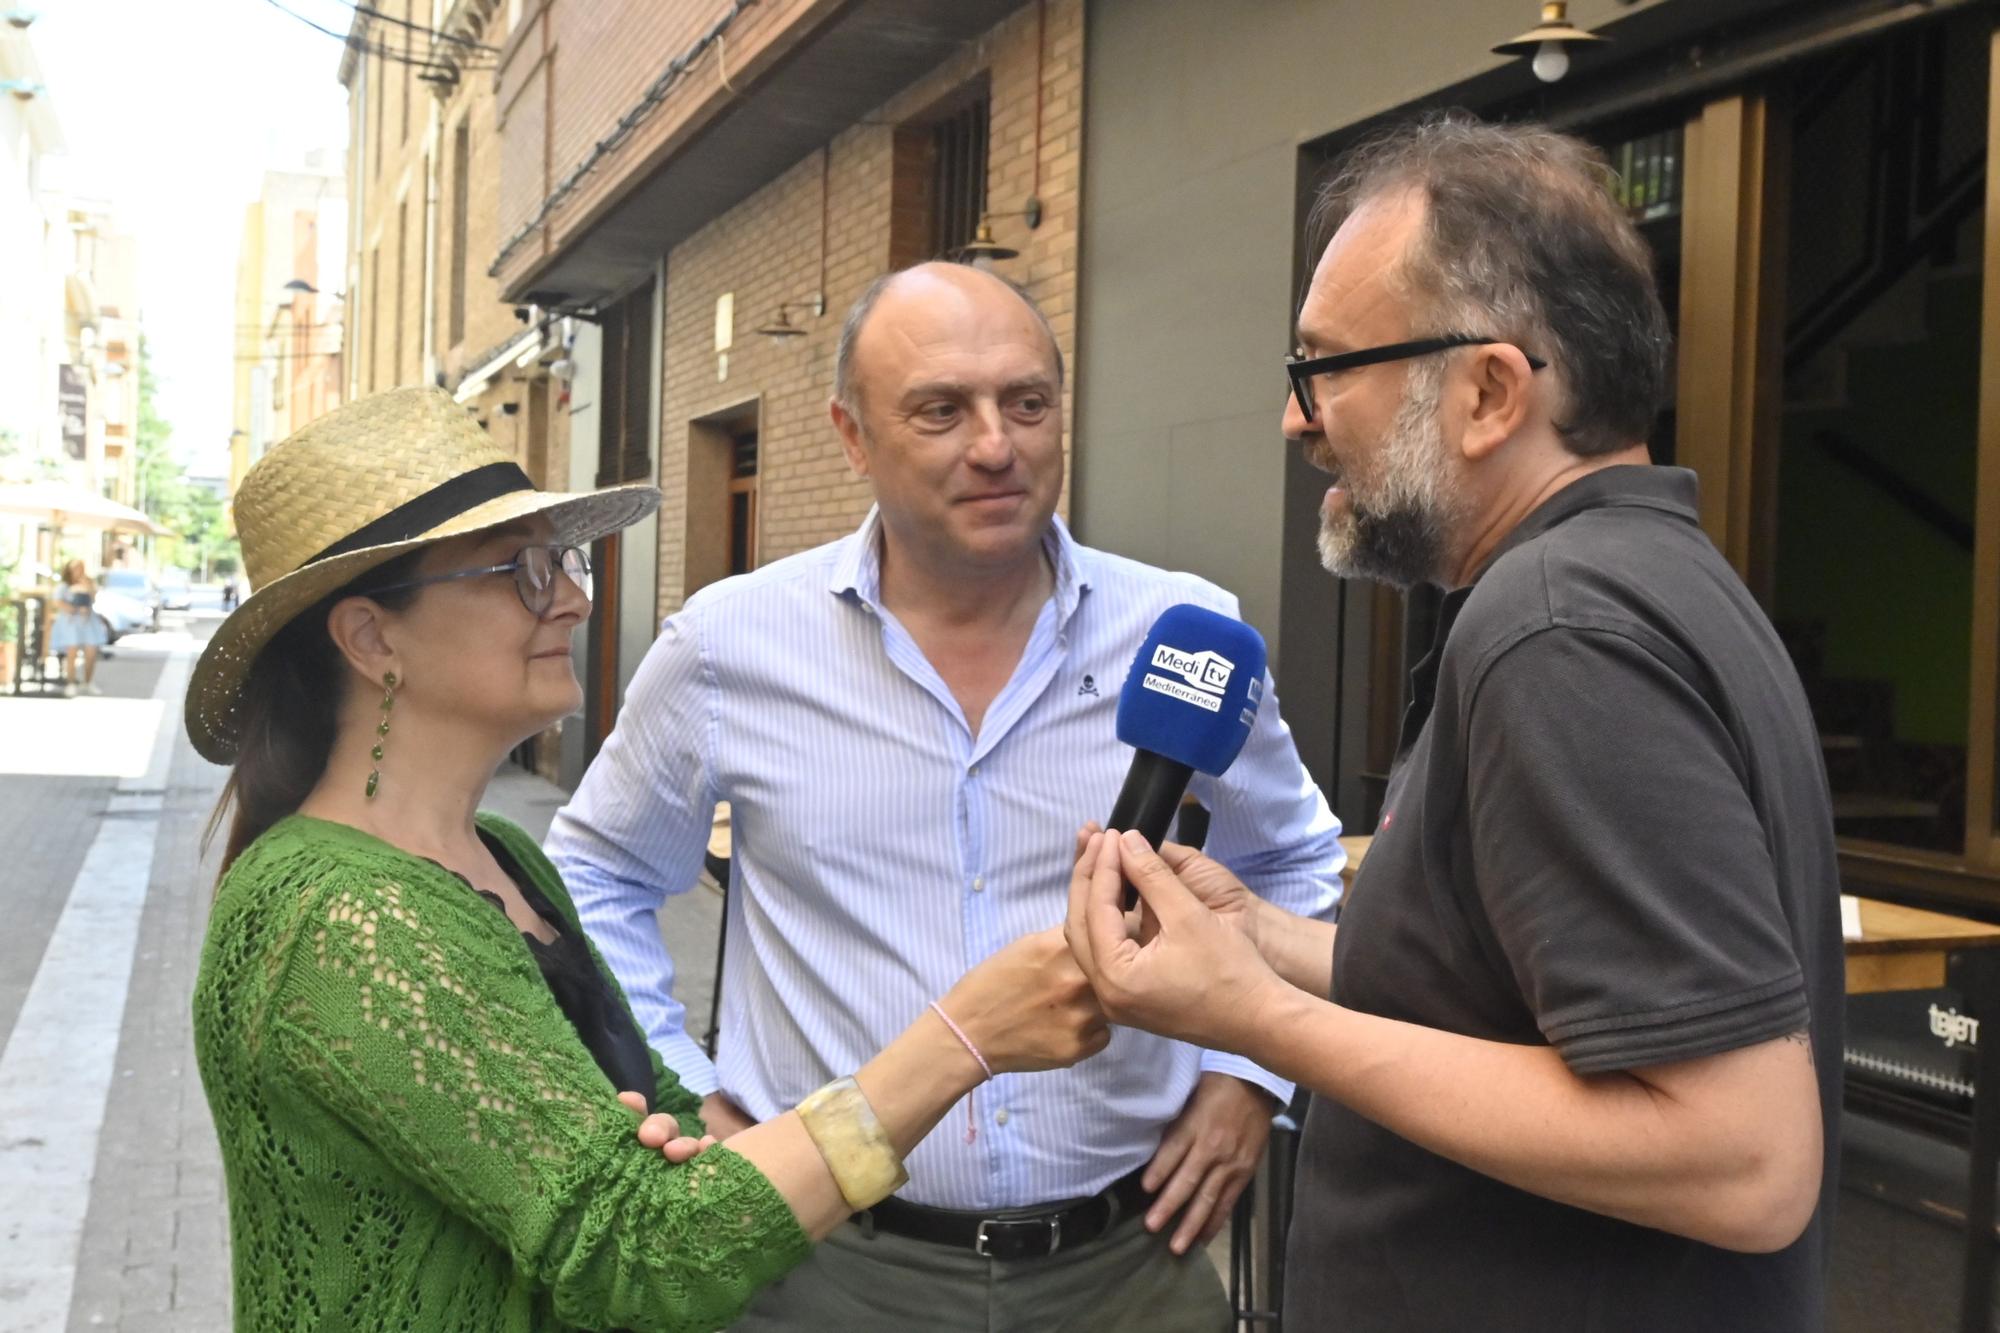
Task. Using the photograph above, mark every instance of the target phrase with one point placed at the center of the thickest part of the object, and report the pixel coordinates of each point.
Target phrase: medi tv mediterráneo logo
(1203, 676)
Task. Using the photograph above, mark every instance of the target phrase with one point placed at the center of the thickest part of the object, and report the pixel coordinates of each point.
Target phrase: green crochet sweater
(415, 1137)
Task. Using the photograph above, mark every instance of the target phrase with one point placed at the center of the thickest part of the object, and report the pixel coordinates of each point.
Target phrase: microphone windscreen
(1193, 689)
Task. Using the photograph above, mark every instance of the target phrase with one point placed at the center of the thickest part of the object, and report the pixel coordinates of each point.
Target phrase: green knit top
(414, 1135)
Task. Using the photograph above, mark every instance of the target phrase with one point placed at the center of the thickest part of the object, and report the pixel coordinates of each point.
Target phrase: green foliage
(202, 541)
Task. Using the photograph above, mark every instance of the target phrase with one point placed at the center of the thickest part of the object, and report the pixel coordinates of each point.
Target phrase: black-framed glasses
(534, 572)
(1303, 370)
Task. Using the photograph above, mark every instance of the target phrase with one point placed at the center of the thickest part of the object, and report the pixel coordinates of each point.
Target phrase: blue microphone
(1188, 704)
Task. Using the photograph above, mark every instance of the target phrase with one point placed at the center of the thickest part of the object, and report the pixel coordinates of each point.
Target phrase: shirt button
(972, 772)
(979, 883)
(1000, 1116)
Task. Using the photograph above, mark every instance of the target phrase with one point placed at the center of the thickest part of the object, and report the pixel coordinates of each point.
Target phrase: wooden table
(1907, 948)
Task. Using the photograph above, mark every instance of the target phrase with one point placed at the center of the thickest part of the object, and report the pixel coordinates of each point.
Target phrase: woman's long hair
(289, 712)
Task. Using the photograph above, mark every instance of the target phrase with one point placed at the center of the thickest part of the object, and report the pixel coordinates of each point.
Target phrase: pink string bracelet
(971, 1123)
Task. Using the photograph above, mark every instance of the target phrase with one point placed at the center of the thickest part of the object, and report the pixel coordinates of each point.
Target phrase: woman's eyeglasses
(534, 572)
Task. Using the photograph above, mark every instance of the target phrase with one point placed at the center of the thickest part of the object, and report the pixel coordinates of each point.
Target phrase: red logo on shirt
(1388, 818)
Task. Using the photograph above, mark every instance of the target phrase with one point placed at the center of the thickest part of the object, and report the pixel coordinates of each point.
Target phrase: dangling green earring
(381, 730)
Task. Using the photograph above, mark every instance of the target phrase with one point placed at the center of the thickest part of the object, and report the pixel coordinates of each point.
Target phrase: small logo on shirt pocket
(1088, 687)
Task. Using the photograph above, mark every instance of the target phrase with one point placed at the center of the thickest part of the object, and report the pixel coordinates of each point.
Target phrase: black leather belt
(1014, 1233)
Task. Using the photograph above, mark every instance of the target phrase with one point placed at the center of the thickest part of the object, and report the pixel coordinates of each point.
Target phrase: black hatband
(441, 503)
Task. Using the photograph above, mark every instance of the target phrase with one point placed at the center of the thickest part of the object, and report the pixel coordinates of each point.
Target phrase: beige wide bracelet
(856, 1147)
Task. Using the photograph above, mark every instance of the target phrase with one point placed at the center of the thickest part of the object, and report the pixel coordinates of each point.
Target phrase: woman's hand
(662, 1132)
(1028, 1007)
(723, 1116)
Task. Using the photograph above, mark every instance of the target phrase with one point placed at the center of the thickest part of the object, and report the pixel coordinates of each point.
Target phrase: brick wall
(593, 60)
(489, 321)
(393, 171)
(767, 250)
(396, 196)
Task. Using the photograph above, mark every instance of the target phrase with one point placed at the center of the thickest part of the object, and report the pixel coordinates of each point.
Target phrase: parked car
(124, 614)
(175, 592)
(136, 585)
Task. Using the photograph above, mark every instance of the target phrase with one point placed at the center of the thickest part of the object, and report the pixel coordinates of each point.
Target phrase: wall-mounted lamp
(983, 246)
(782, 326)
(1549, 42)
(22, 89)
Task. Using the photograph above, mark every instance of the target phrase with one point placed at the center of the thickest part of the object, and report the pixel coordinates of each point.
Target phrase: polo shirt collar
(858, 570)
(1672, 490)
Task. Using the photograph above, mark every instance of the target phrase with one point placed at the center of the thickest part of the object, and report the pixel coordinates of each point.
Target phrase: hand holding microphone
(1188, 705)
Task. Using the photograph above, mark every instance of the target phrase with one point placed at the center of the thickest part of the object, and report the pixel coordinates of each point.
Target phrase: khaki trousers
(1125, 1281)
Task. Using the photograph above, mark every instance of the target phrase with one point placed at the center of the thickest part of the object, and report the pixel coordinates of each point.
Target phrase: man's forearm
(1611, 1143)
(1298, 948)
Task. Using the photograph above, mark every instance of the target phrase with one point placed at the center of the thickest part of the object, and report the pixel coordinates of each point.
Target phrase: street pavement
(111, 1192)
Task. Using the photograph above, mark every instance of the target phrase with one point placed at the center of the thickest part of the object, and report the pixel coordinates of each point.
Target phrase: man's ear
(361, 630)
(1498, 398)
(852, 442)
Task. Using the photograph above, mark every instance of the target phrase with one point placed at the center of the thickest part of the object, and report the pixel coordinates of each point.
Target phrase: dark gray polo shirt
(1607, 831)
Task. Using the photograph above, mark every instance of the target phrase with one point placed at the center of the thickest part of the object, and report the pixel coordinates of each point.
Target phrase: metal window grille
(958, 183)
(624, 450)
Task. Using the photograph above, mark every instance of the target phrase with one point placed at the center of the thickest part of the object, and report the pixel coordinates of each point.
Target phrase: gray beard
(1402, 548)
(1395, 533)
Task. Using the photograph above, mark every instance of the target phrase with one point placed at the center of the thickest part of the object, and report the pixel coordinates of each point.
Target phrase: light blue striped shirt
(881, 849)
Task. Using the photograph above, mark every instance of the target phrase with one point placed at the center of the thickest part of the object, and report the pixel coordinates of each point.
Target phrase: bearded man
(1575, 1042)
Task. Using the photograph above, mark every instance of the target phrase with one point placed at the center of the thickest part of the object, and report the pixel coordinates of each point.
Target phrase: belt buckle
(981, 1240)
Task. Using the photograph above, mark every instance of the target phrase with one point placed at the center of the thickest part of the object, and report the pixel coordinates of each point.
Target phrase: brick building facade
(423, 175)
(787, 155)
(578, 216)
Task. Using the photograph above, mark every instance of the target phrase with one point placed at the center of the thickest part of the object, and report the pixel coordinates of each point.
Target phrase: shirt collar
(1672, 490)
(858, 570)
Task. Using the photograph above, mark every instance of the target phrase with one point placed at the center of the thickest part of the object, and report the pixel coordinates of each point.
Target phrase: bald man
(909, 724)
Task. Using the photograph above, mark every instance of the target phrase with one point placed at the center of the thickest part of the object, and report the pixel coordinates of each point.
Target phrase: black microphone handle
(1149, 800)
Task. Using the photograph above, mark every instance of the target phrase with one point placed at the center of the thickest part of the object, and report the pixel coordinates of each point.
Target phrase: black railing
(1931, 512)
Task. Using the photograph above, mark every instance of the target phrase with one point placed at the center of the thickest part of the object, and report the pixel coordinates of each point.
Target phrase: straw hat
(357, 487)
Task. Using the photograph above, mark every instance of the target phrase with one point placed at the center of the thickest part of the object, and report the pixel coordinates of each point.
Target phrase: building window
(402, 273)
(409, 50)
(625, 420)
(373, 314)
(743, 502)
(1648, 175)
(958, 176)
(461, 205)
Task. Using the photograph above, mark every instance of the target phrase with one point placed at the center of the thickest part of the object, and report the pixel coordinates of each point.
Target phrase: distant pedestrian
(76, 634)
(229, 593)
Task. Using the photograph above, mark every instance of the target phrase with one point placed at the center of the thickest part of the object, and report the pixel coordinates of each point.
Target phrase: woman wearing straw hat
(427, 1087)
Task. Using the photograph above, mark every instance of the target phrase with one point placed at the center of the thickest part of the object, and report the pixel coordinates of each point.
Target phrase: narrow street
(111, 1191)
